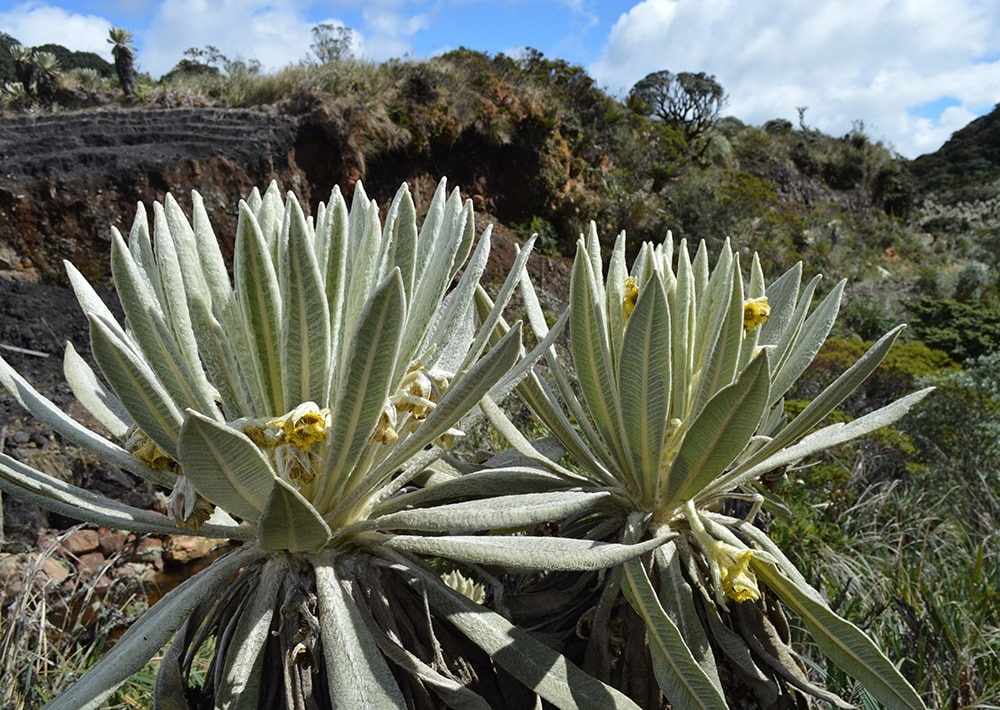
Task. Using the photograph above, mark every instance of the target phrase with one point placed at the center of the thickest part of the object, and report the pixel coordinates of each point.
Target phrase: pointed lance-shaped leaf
(719, 434)
(225, 466)
(357, 672)
(843, 642)
(682, 679)
(290, 522)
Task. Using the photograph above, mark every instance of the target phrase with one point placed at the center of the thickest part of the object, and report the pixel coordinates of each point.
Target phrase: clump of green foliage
(963, 330)
(922, 571)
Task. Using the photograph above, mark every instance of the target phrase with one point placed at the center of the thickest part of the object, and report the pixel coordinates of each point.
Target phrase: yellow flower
(143, 448)
(728, 564)
(631, 296)
(415, 393)
(420, 391)
(755, 312)
(738, 581)
(385, 430)
(304, 426)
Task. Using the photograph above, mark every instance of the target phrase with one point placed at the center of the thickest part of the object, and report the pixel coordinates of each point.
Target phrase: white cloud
(35, 23)
(389, 33)
(846, 60)
(275, 33)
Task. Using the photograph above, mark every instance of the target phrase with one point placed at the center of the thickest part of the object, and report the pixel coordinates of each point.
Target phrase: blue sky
(913, 71)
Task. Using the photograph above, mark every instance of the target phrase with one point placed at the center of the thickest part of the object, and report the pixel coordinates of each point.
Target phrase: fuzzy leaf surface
(540, 668)
(680, 676)
(357, 672)
(843, 642)
(494, 513)
(525, 551)
(225, 466)
(290, 522)
(719, 433)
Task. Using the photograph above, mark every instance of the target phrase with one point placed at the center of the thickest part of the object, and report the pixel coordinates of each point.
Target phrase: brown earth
(66, 178)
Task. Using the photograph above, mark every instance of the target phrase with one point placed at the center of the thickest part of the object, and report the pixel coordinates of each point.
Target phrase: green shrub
(958, 429)
(963, 330)
(901, 371)
(548, 238)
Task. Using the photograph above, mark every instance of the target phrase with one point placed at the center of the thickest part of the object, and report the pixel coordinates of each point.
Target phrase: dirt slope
(65, 178)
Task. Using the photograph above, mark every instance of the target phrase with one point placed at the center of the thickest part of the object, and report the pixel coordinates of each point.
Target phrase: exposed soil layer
(65, 179)
(98, 144)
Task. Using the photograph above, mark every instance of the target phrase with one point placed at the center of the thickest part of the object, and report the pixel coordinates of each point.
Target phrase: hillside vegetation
(543, 149)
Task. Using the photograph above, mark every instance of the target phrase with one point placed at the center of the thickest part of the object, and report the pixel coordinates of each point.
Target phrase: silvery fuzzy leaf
(357, 672)
(137, 386)
(523, 551)
(258, 295)
(225, 466)
(497, 512)
(93, 395)
(290, 522)
(683, 680)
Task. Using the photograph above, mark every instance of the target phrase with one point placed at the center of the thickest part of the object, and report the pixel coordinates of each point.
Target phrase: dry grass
(52, 631)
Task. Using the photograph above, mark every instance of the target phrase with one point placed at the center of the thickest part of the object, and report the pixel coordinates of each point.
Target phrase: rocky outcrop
(65, 179)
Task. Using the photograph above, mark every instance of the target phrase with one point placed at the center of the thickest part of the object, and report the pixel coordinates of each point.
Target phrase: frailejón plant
(672, 398)
(295, 408)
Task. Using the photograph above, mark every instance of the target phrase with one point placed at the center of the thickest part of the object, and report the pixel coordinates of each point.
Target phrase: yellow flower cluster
(303, 426)
(630, 297)
(420, 390)
(463, 585)
(755, 312)
(385, 430)
(418, 393)
(143, 448)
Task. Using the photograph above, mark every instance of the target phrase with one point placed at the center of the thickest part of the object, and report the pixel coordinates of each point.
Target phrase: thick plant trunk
(125, 68)
(25, 74)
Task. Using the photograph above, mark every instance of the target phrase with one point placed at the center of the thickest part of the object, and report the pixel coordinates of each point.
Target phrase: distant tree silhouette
(6, 60)
(24, 67)
(690, 102)
(46, 75)
(331, 42)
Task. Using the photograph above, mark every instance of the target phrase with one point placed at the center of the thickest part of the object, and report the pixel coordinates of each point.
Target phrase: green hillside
(970, 158)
